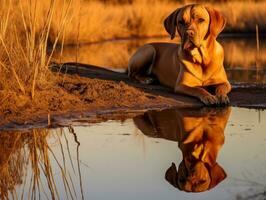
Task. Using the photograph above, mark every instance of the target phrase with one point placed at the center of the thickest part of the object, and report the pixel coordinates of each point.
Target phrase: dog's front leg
(221, 92)
(203, 95)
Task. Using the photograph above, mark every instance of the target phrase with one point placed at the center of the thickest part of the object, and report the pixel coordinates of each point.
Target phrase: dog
(200, 136)
(192, 66)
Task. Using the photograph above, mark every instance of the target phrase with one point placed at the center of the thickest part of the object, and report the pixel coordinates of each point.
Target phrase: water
(217, 153)
(129, 159)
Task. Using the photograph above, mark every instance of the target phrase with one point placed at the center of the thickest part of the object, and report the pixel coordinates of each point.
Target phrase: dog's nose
(190, 33)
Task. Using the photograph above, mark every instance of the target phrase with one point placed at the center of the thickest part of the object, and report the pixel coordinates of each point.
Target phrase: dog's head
(195, 177)
(195, 24)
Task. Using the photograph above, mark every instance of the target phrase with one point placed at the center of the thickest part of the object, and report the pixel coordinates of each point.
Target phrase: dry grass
(95, 21)
(242, 16)
(23, 45)
(90, 21)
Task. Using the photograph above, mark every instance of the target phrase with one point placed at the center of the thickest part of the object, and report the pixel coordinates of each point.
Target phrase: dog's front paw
(209, 100)
(223, 99)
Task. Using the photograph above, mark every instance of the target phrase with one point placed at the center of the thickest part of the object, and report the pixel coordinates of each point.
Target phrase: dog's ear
(217, 22)
(217, 175)
(171, 175)
(170, 23)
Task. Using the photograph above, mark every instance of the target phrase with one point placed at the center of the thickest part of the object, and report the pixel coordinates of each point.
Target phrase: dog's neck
(202, 147)
(200, 55)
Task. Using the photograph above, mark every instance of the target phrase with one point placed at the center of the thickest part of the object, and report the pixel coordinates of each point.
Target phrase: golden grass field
(90, 21)
(29, 28)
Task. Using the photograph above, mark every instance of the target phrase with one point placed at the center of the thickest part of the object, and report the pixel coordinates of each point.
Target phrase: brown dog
(195, 64)
(200, 135)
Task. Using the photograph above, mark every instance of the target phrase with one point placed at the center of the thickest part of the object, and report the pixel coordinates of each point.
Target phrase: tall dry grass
(242, 16)
(96, 21)
(23, 44)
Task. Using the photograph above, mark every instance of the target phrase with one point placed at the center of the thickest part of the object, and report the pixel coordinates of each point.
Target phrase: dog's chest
(196, 56)
(194, 68)
(195, 65)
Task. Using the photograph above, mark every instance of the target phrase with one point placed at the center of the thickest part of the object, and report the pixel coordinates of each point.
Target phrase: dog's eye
(200, 20)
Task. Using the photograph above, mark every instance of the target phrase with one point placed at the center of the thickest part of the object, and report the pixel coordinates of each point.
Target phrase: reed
(257, 53)
(24, 44)
(28, 165)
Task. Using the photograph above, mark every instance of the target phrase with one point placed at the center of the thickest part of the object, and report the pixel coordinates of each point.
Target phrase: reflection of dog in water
(200, 135)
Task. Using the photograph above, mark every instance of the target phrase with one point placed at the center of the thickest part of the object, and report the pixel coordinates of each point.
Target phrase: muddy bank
(78, 97)
(242, 95)
(88, 93)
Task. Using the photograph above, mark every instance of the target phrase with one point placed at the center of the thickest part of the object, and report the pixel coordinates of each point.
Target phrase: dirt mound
(75, 94)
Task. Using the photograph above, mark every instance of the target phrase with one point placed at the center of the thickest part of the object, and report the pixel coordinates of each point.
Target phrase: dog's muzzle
(190, 43)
